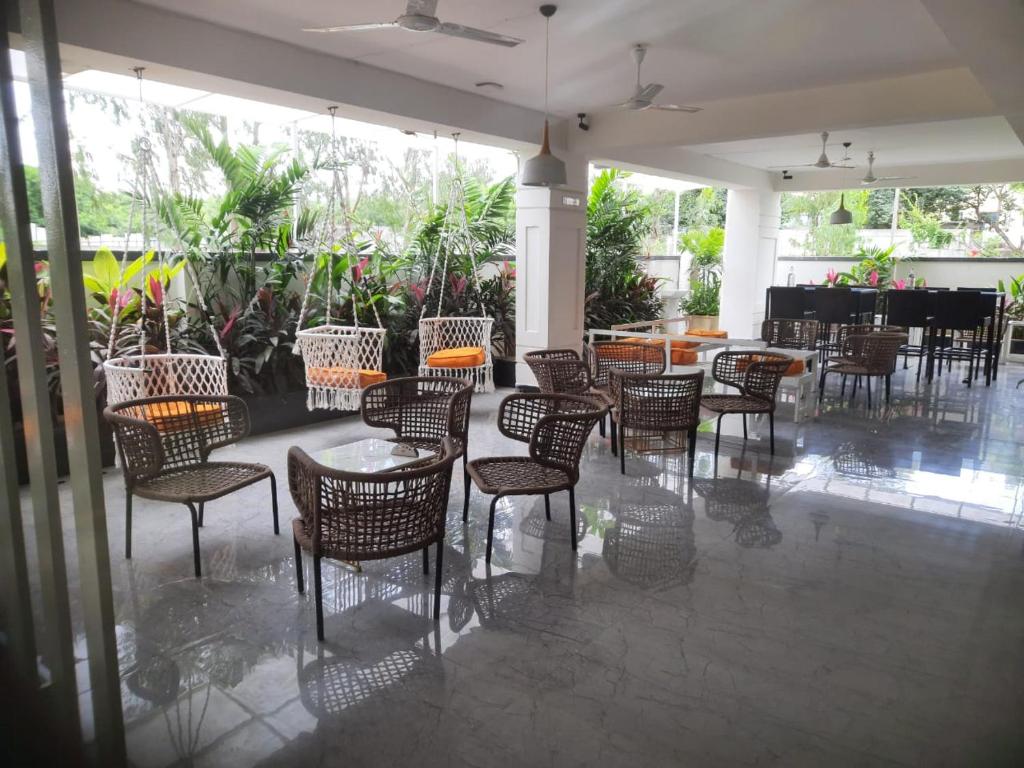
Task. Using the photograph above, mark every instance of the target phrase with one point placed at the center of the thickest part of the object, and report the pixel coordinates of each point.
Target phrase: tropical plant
(876, 268)
(254, 307)
(1015, 290)
(618, 290)
(498, 294)
(705, 247)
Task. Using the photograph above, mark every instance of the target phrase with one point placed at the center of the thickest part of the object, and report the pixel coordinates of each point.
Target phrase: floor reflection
(815, 607)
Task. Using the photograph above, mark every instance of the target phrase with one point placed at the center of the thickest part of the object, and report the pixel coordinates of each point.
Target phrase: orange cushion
(174, 415)
(343, 378)
(708, 333)
(459, 357)
(682, 351)
(683, 356)
(795, 368)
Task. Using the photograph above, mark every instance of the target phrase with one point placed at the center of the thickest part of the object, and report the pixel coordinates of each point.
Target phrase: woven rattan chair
(656, 405)
(790, 334)
(756, 375)
(626, 356)
(559, 371)
(354, 516)
(556, 428)
(868, 355)
(165, 445)
(422, 411)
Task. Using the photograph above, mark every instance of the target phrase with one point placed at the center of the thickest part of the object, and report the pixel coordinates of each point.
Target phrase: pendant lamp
(544, 170)
(840, 215)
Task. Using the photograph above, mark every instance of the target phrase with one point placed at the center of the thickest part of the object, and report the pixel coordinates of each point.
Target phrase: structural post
(56, 643)
(551, 263)
(752, 219)
(42, 53)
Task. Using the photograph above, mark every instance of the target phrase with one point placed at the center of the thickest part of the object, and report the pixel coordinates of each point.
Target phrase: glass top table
(367, 456)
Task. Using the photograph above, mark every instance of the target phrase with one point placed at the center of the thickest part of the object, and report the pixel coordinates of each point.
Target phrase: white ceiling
(702, 50)
(972, 140)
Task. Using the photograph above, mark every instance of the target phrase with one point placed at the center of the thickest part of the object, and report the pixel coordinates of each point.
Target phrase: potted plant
(701, 306)
(498, 294)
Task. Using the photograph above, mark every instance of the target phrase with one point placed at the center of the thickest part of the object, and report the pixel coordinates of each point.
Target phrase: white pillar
(551, 235)
(752, 219)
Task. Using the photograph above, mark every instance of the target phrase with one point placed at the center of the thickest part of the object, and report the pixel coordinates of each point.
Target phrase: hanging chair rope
(456, 206)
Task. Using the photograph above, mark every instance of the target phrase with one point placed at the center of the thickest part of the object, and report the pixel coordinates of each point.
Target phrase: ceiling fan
(823, 161)
(643, 97)
(870, 178)
(419, 17)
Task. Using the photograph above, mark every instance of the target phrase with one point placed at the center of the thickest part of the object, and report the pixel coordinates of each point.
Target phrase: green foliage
(1015, 290)
(705, 247)
(498, 294)
(877, 268)
(618, 290)
(813, 209)
(926, 228)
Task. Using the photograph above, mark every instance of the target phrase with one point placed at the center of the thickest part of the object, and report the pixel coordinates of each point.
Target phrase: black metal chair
(966, 312)
(910, 308)
(783, 302)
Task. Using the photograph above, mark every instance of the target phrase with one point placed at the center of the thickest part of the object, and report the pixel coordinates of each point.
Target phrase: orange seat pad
(459, 357)
(682, 351)
(795, 368)
(708, 333)
(343, 378)
(175, 415)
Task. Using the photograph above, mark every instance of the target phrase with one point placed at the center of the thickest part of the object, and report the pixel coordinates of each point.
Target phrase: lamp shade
(544, 170)
(840, 215)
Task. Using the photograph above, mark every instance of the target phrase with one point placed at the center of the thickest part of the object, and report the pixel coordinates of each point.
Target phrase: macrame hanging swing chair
(458, 347)
(340, 360)
(150, 374)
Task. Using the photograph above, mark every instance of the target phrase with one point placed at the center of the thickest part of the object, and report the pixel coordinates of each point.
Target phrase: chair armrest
(138, 443)
(231, 426)
(304, 486)
(519, 414)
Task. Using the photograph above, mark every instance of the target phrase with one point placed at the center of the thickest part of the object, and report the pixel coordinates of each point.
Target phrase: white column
(752, 219)
(551, 234)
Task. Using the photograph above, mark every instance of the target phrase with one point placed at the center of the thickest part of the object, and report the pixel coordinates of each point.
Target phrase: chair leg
(465, 500)
(601, 427)
(426, 559)
(842, 387)
(771, 431)
(744, 426)
(615, 433)
(490, 527)
(298, 566)
(888, 388)
(692, 447)
(547, 506)
(437, 578)
(718, 434)
(273, 501)
(202, 513)
(821, 384)
(572, 515)
(867, 382)
(195, 539)
(318, 590)
(128, 525)
(622, 450)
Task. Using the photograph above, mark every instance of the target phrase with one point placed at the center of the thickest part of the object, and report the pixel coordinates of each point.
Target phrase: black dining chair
(789, 302)
(833, 308)
(910, 308)
(963, 313)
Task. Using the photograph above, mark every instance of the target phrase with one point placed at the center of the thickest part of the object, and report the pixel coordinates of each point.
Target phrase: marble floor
(857, 600)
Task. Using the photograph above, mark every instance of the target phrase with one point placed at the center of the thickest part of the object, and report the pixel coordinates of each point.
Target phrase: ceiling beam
(195, 53)
(989, 36)
(947, 94)
(932, 175)
(678, 163)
